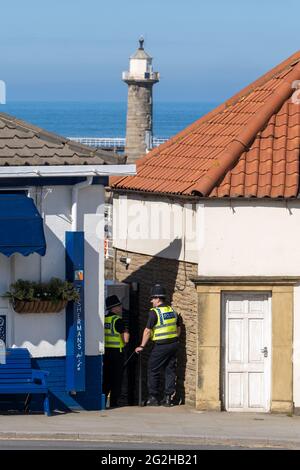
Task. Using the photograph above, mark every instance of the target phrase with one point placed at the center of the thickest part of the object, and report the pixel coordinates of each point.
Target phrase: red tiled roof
(248, 146)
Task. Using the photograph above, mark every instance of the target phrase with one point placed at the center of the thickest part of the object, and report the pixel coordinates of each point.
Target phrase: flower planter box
(39, 306)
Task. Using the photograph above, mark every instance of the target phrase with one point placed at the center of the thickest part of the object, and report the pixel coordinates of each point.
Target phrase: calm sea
(103, 119)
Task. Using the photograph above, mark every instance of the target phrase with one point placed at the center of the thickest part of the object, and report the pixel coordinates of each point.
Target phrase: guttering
(245, 280)
(75, 189)
(66, 170)
(156, 194)
(201, 199)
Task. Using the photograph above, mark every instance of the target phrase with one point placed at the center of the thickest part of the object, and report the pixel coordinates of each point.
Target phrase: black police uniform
(163, 356)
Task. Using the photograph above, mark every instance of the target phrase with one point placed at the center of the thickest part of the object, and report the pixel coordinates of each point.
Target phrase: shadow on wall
(165, 271)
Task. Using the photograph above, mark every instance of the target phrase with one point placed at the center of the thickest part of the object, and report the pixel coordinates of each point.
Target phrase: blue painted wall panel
(61, 400)
(75, 323)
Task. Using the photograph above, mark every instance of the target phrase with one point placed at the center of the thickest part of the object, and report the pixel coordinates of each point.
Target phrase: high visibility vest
(166, 325)
(113, 339)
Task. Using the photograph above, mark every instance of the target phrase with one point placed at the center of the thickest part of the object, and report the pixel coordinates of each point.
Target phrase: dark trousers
(113, 367)
(162, 357)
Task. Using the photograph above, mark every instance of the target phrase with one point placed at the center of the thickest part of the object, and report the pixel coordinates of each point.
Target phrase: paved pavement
(178, 425)
(55, 444)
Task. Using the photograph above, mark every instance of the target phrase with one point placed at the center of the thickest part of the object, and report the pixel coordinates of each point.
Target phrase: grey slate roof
(22, 144)
(140, 54)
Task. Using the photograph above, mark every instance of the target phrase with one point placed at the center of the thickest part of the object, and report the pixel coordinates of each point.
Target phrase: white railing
(103, 142)
(153, 76)
(111, 142)
(159, 140)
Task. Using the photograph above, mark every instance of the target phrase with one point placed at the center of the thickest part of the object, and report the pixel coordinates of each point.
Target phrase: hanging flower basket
(41, 297)
(39, 306)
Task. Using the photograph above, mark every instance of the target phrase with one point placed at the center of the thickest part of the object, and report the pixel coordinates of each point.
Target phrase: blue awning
(21, 226)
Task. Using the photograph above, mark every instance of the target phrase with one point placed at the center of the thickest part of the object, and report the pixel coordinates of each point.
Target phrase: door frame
(208, 353)
(268, 368)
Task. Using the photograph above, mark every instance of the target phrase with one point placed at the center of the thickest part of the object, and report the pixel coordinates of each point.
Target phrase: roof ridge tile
(253, 129)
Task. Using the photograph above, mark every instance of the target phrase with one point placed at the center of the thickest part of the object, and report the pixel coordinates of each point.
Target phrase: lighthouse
(139, 126)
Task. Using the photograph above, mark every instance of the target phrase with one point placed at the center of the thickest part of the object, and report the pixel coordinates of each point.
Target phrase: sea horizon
(103, 118)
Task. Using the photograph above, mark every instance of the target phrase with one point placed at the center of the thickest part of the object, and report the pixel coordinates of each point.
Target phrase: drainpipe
(75, 318)
(75, 189)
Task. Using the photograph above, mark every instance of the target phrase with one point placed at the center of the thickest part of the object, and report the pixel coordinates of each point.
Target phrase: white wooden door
(247, 351)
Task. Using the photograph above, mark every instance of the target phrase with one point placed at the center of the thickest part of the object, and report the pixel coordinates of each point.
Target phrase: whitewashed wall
(155, 227)
(138, 67)
(260, 238)
(5, 307)
(249, 238)
(91, 218)
(44, 334)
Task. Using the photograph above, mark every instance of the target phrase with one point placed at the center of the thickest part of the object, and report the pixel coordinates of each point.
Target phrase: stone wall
(174, 275)
(139, 119)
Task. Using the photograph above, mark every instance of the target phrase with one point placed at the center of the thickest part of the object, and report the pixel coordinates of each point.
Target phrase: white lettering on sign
(79, 340)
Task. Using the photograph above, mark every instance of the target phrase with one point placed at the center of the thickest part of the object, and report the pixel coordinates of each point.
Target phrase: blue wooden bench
(17, 377)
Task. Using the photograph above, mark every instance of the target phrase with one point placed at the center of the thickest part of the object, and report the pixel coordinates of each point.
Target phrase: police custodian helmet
(158, 291)
(112, 301)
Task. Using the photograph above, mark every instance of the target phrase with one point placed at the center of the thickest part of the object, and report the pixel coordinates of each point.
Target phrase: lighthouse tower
(140, 80)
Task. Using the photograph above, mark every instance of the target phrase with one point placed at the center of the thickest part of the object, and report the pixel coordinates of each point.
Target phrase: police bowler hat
(112, 301)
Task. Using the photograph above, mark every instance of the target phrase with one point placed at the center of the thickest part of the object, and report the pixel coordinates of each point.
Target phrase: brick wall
(174, 275)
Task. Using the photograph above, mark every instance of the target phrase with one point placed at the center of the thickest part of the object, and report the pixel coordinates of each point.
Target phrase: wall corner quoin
(208, 405)
(282, 407)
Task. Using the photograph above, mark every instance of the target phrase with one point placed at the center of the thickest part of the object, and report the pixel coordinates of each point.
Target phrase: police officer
(163, 327)
(116, 336)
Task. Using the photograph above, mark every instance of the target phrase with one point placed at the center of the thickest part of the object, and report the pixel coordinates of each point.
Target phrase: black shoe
(114, 403)
(167, 401)
(152, 401)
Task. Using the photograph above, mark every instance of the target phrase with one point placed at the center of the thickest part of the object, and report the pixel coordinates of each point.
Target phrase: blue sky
(204, 50)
